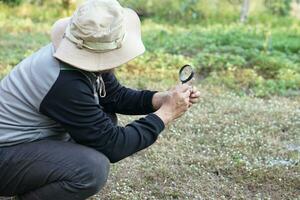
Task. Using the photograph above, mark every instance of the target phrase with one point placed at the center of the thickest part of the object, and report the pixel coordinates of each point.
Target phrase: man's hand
(194, 97)
(175, 103)
(160, 97)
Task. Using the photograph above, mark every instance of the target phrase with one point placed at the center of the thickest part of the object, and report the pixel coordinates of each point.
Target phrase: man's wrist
(158, 99)
(163, 116)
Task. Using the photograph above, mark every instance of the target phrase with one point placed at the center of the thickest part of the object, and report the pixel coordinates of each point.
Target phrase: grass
(232, 145)
(226, 147)
(259, 59)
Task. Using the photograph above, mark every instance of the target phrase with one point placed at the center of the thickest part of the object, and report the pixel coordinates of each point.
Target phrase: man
(57, 126)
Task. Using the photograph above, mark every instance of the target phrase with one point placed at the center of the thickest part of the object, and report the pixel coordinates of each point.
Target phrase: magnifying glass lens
(186, 73)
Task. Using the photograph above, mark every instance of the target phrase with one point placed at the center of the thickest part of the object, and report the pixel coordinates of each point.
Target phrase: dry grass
(227, 147)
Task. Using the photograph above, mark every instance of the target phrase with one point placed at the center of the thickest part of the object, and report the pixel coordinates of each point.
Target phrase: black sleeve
(71, 102)
(120, 99)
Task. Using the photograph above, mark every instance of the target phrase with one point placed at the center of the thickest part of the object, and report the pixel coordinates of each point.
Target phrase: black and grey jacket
(42, 98)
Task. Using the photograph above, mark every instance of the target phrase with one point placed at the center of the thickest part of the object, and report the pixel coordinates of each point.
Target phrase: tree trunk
(245, 10)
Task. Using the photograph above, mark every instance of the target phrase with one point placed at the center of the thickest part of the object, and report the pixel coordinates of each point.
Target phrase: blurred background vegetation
(250, 46)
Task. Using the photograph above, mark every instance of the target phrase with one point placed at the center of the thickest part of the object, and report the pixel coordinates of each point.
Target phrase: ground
(226, 147)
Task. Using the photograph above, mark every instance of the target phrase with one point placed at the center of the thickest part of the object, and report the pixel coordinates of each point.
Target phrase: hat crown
(98, 21)
(96, 56)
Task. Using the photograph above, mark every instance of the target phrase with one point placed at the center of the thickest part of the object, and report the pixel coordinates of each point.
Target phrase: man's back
(21, 93)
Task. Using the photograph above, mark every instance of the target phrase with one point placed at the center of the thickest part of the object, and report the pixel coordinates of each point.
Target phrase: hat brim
(68, 52)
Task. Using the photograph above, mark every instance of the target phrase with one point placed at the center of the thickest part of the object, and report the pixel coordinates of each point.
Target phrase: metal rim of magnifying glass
(191, 75)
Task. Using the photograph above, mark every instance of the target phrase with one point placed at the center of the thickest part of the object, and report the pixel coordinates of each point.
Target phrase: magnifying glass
(186, 73)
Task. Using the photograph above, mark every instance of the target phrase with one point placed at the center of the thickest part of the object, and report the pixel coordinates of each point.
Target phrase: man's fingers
(189, 91)
(192, 100)
(187, 94)
(184, 88)
(195, 94)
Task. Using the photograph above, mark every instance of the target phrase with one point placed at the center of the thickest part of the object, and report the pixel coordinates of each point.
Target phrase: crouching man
(58, 129)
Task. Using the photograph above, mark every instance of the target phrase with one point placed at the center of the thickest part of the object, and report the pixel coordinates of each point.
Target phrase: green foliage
(11, 2)
(206, 10)
(249, 59)
(255, 58)
(279, 7)
(188, 8)
(153, 67)
(184, 10)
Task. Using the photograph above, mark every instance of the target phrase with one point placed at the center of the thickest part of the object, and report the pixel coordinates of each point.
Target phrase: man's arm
(71, 103)
(124, 100)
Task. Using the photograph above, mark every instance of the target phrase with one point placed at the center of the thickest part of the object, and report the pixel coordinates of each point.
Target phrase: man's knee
(94, 172)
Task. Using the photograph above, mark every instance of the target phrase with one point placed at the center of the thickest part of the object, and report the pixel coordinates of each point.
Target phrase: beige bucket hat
(100, 35)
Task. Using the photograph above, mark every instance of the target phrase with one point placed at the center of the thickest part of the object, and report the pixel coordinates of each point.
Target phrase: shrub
(11, 2)
(279, 7)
